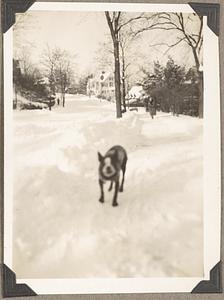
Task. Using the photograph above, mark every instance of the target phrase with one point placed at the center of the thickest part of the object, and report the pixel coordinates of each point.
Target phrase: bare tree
(49, 62)
(113, 23)
(23, 55)
(104, 58)
(63, 72)
(25, 22)
(58, 67)
(188, 28)
(126, 60)
(117, 22)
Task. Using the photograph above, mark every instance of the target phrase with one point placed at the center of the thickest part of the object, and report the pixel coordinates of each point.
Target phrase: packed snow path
(60, 228)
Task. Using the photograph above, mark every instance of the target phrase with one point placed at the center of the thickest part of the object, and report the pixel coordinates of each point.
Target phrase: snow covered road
(156, 230)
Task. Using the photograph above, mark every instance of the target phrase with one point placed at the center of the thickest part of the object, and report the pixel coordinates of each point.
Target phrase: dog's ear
(100, 156)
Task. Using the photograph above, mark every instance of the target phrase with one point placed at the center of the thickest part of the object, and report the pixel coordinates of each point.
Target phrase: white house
(135, 92)
(102, 85)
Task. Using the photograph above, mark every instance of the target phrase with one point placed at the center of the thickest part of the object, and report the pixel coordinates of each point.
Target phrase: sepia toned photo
(108, 134)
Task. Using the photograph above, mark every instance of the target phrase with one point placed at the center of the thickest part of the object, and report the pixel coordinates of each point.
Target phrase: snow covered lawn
(60, 228)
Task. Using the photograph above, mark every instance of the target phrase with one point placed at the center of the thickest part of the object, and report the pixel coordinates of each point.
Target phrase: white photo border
(212, 166)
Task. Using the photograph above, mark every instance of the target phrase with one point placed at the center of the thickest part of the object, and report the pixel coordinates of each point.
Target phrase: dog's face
(107, 168)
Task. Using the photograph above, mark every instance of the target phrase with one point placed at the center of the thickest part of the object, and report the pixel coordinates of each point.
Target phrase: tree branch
(152, 28)
(130, 20)
(169, 46)
(116, 22)
(110, 24)
(200, 31)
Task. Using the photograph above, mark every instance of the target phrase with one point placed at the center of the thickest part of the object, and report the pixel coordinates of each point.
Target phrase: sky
(81, 33)
(78, 32)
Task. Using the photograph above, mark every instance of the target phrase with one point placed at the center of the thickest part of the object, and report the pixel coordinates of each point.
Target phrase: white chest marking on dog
(108, 169)
(107, 161)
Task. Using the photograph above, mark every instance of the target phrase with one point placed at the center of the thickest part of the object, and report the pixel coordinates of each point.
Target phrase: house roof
(102, 76)
(136, 89)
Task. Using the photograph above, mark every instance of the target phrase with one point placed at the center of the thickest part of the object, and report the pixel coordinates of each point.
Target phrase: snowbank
(157, 228)
(22, 101)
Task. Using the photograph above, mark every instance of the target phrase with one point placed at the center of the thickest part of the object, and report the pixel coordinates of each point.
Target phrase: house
(102, 85)
(135, 92)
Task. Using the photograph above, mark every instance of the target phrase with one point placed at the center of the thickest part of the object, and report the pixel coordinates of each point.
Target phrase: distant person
(152, 107)
(146, 102)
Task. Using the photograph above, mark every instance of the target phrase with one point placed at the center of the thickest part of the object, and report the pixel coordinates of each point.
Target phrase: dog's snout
(108, 169)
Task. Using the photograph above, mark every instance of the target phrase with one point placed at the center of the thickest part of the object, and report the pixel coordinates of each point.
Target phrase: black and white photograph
(109, 145)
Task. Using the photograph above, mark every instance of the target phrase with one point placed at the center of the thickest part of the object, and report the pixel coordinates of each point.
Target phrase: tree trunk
(16, 101)
(117, 78)
(155, 106)
(201, 94)
(113, 26)
(123, 84)
(200, 84)
(63, 99)
(63, 94)
(123, 94)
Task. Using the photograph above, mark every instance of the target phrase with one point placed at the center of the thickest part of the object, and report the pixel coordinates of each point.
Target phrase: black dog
(109, 170)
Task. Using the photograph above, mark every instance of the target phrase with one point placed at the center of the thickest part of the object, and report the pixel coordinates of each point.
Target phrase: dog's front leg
(123, 171)
(115, 193)
(101, 191)
(111, 186)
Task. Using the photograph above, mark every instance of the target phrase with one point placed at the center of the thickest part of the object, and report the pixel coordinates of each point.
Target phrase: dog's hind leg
(115, 193)
(123, 171)
(101, 191)
(111, 186)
